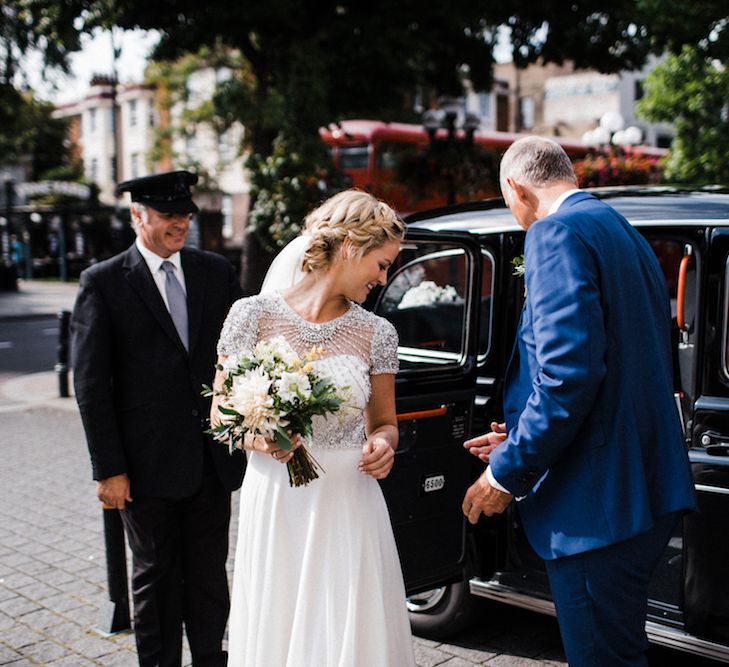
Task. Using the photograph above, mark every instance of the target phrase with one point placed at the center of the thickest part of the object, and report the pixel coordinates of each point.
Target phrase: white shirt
(552, 209)
(560, 200)
(154, 262)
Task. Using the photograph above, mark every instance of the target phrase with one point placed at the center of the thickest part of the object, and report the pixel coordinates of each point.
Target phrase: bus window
(388, 154)
(354, 156)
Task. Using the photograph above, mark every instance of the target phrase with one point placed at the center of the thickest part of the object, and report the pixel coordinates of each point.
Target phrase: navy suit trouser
(602, 598)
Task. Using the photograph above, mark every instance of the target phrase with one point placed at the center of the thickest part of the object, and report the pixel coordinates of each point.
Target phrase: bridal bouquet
(271, 392)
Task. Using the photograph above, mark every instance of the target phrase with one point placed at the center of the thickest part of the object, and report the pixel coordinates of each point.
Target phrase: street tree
(691, 90)
(29, 135)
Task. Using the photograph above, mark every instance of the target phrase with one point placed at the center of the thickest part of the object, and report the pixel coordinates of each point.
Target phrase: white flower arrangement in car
(428, 293)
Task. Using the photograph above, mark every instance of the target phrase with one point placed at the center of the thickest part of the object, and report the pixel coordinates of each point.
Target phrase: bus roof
(365, 131)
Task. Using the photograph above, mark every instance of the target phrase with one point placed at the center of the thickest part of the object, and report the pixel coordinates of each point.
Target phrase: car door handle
(715, 443)
(422, 414)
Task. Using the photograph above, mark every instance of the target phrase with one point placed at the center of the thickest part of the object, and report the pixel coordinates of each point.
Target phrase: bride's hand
(263, 445)
(377, 457)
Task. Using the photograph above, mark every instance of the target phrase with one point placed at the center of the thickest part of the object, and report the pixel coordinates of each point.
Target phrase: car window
(425, 299)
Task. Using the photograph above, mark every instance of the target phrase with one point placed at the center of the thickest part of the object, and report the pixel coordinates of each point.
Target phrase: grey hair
(537, 162)
(141, 211)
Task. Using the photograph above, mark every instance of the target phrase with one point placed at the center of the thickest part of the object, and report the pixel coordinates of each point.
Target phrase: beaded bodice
(356, 345)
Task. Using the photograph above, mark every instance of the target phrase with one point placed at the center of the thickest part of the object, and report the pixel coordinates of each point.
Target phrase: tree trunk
(254, 262)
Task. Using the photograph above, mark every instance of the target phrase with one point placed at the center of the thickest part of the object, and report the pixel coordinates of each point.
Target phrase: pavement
(52, 559)
(37, 298)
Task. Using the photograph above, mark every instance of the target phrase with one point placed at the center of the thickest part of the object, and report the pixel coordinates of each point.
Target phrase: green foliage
(28, 131)
(47, 26)
(170, 79)
(691, 91)
(285, 186)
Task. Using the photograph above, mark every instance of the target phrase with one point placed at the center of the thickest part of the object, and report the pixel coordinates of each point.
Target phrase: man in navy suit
(145, 326)
(591, 446)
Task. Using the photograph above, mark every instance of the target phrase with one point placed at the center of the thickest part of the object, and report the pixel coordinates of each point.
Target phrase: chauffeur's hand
(483, 445)
(114, 491)
(482, 497)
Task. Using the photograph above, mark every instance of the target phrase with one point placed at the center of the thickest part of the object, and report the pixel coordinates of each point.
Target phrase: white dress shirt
(552, 209)
(154, 262)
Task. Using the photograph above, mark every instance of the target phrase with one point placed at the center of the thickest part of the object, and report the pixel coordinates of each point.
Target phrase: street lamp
(612, 130)
(460, 127)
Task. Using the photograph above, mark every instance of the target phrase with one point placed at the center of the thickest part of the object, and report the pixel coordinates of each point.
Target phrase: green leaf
(281, 437)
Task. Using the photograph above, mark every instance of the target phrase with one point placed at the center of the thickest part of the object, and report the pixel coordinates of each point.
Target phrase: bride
(317, 579)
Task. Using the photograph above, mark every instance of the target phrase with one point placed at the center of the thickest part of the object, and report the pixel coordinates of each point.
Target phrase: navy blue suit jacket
(594, 441)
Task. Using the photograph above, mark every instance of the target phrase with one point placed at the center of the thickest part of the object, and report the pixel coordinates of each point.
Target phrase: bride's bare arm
(381, 425)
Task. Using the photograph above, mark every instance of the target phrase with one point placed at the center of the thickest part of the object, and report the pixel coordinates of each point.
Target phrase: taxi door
(432, 298)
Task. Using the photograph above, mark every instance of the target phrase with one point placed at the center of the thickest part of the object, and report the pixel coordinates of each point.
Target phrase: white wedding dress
(317, 579)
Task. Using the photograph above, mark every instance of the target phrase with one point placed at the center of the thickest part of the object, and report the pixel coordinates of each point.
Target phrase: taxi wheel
(441, 612)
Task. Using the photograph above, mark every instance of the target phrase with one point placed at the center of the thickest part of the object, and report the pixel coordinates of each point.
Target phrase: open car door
(432, 298)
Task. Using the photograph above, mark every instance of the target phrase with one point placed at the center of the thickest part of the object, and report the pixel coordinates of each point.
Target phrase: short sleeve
(240, 329)
(383, 358)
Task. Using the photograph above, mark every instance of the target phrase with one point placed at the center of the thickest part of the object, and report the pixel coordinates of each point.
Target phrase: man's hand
(114, 491)
(482, 497)
(483, 445)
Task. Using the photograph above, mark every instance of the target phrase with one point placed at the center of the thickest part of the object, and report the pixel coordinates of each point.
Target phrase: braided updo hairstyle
(366, 221)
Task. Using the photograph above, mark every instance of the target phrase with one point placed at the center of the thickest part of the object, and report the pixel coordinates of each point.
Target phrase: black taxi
(455, 296)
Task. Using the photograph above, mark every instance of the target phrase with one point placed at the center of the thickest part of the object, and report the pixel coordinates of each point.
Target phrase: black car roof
(640, 205)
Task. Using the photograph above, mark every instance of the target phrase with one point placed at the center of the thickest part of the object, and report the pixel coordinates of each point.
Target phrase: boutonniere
(519, 269)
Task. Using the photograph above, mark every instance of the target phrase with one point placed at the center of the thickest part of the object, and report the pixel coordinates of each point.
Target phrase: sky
(96, 56)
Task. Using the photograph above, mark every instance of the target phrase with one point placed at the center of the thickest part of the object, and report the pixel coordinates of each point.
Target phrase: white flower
(292, 386)
(230, 365)
(273, 351)
(428, 293)
(249, 397)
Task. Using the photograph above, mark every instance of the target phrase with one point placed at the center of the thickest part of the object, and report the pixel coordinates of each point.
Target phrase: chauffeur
(144, 329)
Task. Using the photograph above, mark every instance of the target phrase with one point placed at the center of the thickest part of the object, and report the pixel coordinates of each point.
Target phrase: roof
(640, 205)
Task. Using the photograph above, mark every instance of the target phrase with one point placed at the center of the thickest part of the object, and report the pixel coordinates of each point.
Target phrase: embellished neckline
(314, 332)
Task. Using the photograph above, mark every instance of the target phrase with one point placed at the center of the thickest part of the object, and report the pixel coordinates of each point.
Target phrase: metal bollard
(114, 614)
(61, 367)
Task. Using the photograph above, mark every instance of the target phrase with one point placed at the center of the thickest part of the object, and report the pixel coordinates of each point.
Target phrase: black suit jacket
(137, 387)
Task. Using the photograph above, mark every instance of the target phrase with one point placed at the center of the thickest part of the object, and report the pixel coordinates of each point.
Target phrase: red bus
(367, 152)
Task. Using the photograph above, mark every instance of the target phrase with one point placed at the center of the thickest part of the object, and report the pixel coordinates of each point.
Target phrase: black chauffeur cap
(166, 193)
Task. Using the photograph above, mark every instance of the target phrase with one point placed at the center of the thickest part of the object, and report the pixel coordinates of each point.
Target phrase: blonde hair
(366, 221)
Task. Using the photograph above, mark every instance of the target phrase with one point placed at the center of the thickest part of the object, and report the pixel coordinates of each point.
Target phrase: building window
(484, 105)
(225, 146)
(92, 120)
(132, 113)
(226, 208)
(663, 140)
(94, 170)
(526, 107)
(151, 115)
(638, 91)
(134, 165)
(191, 145)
